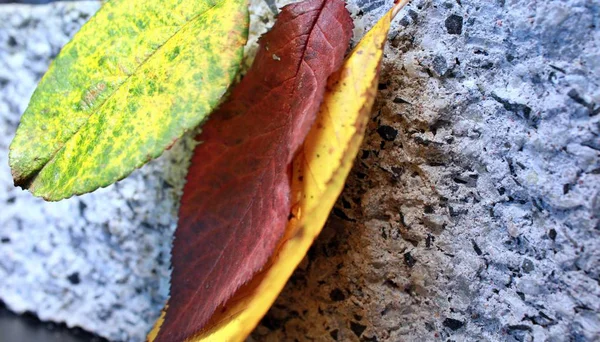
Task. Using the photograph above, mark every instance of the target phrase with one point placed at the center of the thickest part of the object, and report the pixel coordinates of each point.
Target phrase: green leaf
(136, 77)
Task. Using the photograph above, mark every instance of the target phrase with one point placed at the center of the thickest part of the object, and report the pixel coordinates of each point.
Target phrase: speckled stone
(479, 220)
(472, 212)
(99, 261)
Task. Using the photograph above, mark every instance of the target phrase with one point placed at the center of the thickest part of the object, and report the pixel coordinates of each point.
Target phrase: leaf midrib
(262, 174)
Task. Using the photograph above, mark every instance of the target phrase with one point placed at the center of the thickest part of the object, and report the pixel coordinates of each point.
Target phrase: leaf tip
(20, 178)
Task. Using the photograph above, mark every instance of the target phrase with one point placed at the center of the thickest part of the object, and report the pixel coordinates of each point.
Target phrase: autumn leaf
(132, 81)
(236, 202)
(319, 172)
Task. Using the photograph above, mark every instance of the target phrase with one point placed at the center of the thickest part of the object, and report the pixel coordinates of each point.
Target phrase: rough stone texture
(472, 212)
(100, 261)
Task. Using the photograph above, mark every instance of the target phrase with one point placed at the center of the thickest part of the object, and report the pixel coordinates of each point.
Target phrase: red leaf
(236, 201)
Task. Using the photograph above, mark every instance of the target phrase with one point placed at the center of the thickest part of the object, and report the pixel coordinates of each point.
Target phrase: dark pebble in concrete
(387, 132)
(454, 24)
(453, 324)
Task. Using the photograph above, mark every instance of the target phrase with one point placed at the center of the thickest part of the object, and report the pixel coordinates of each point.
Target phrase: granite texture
(472, 212)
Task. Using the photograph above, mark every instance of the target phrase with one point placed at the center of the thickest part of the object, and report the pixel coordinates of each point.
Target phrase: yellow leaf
(319, 174)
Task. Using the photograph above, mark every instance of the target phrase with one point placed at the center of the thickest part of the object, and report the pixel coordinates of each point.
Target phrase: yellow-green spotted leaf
(131, 82)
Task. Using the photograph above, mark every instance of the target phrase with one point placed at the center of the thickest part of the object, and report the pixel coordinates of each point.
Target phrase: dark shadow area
(29, 328)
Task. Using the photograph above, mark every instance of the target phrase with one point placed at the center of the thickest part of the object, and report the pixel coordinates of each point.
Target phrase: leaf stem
(398, 5)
